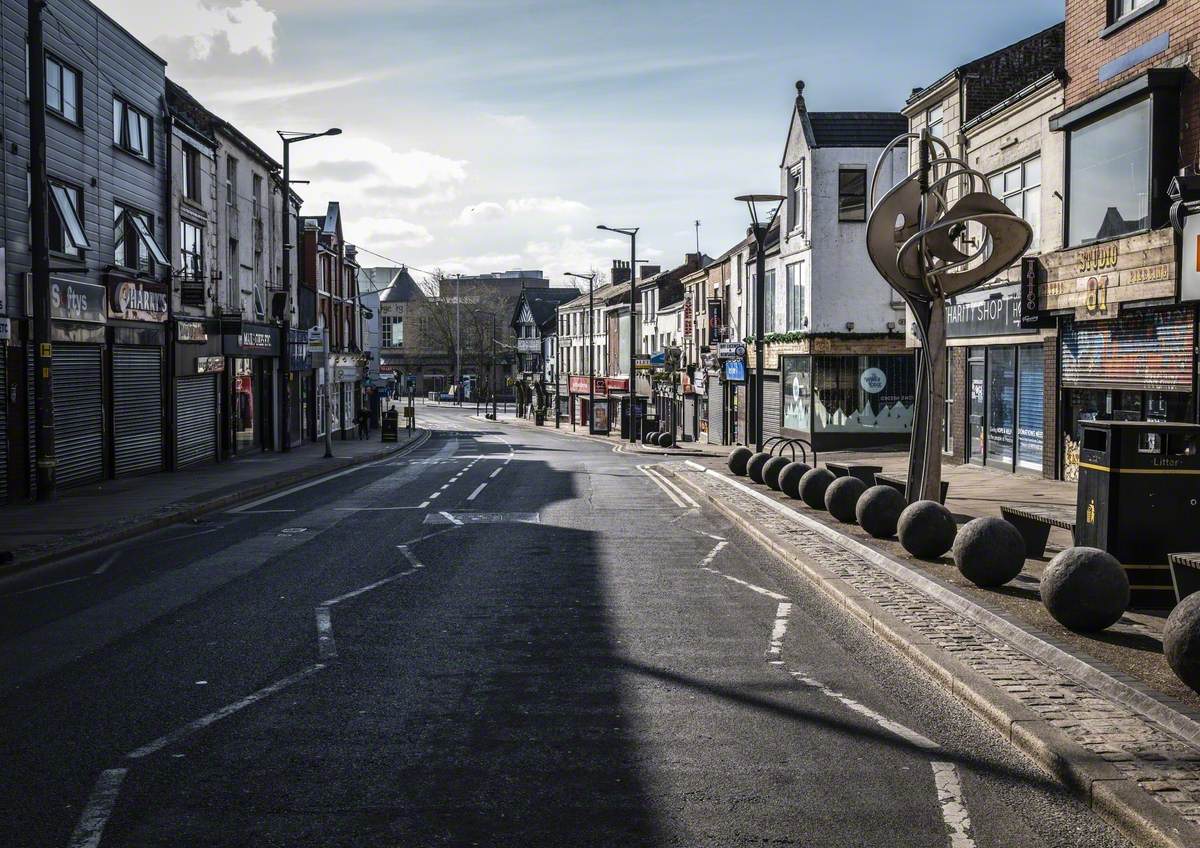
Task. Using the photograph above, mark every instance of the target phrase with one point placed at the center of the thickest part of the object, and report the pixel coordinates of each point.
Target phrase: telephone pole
(43, 381)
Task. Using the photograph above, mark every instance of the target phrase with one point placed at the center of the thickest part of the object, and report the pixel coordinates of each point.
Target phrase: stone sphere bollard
(1085, 589)
(813, 485)
(789, 478)
(879, 509)
(841, 498)
(773, 469)
(1181, 640)
(754, 468)
(649, 438)
(666, 439)
(926, 529)
(738, 457)
(989, 551)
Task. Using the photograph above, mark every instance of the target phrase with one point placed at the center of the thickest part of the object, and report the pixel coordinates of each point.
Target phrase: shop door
(137, 410)
(976, 409)
(196, 420)
(1001, 406)
(244, 405)
(78, 414)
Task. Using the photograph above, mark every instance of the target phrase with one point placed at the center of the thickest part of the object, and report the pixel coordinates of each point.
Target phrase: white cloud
(384, 233)
(284, 90)
(490, 210)
(246, 26)
(480, 213)
(405, 180)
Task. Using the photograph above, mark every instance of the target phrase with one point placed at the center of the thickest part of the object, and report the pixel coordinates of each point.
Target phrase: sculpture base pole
(925, 451)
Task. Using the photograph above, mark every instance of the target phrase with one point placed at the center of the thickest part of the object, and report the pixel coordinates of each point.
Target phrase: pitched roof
(403, 289)
(544, 303)
(856, 129)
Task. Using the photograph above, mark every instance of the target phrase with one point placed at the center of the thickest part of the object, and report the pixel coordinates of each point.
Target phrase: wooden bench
(1034, 521)
(1185, 574)
(866, 473)
(900, 484)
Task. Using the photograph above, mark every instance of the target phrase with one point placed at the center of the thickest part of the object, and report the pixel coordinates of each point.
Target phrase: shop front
(199, 366)
(345, 376)
(299, 388)
(579, 398)
(998, 406)
(846, 401)
(251, 357)
(137, 316)
(79, 318)
(1120, 358)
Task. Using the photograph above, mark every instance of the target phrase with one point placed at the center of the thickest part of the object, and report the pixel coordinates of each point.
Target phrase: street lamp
(758, 205)
(591, 278)
(632, 233)
(285, 366)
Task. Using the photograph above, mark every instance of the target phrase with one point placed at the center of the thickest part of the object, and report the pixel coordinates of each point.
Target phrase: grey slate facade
(108, 361)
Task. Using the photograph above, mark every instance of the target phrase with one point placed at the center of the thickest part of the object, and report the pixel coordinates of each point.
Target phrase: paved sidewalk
(1131, 753)
(95, 515)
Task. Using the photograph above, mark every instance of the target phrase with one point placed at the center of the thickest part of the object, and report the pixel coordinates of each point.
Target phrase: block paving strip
(1163, 765)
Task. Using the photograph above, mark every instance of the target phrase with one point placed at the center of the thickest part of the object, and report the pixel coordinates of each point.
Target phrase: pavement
(506, 637)
(86, 517)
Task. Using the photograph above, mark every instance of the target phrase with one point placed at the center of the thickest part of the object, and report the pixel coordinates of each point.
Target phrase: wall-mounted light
(849, 326)
(891, 325)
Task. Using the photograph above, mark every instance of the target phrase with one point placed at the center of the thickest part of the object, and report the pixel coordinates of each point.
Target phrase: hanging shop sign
(190, 332)
(641, 362)
(210, 364)
(688, 318)
(731, 350)
(1092, 281)
(987, 312)
(1189, 281)
(714, 322)
(1031, 281)
(735, 371)
(577, 385)
(137, 300)
(616, 384)
(72, 301)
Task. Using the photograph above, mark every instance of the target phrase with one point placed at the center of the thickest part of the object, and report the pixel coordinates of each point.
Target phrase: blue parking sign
(735, 370)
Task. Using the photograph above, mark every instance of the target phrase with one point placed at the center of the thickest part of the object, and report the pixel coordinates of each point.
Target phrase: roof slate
(856, 129)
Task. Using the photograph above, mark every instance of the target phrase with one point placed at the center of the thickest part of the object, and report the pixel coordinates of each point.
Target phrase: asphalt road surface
(505, 637)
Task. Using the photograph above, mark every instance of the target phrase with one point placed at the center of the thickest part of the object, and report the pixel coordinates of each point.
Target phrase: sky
(488, 135)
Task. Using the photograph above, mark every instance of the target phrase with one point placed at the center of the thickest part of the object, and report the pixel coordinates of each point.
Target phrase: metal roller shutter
(689, 416)
(137, 410)
(772, 406)
(1150, 350)
(30, 422)
(4, 424)
(78, 414)
(196, 420)
(716, 411)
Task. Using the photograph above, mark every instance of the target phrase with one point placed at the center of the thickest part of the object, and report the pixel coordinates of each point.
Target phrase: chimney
(620, 272)
(800, 104)
(648, 271)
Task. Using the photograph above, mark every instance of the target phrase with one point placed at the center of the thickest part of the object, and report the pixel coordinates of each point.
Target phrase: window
(1119, 9)
(132, 129)
(231, 180)
(256, 200)
(769, 301)
(795, 297)
(191, 173)
(797, 199)
(936, 121)
(1108, 179)
(852, 194)
(65, 220)
(62, 89)
(130, 250)
(191, 263)
(233, 278)
(1020, 187)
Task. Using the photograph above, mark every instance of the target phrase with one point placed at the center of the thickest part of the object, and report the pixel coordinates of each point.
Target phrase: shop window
(132, 129)
(1030, 407)
(1108, 181)
(1002, 409)
(863, 394)
(852, 194)
(797, 393)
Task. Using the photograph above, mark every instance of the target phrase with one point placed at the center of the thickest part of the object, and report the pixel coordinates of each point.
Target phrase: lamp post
(285, 364)
(591, 278)
(632, 233)
(757, 203)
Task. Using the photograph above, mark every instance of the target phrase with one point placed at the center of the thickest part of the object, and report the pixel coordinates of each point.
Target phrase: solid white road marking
(895, 727)
(363, 590)
(497, 471)
(680, 497)
(475, 493)
(43, 586)
(416, 563)
(775, 596)
(258, 511)
(423, 505)
(99, 807)
(317, 482)
(954, 806)
(713, 536)
(372, 508)
(657, 482)
(225, 711)
(326, 646)
(775, 648)
(713, 553)
(451, 519)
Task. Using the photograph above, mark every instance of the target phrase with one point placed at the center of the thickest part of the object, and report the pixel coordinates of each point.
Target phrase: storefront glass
(244, 404)
(797, 392)
(976, 404)
(1002, 407)
(1083, 405)
(863, 394)
(1030, 408)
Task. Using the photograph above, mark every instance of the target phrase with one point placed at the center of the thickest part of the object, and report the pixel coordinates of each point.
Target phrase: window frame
(843, 216)
(793, 280)
(1003, 194)
(67, 250)
(940, 108)
(121, 138)
(64, 67)
(1117, 20)
(191, 173)
(129, 230)
(191, 274)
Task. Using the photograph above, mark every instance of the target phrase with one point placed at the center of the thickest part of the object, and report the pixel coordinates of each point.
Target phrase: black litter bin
(1139, 499)
(391, 426)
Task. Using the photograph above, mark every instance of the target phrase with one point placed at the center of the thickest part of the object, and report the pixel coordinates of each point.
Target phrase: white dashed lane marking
(775, 648)
(99, 807)
(954, 806)
(475, 493)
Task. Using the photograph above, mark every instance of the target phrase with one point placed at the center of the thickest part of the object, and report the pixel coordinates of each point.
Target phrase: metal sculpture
(928, 248)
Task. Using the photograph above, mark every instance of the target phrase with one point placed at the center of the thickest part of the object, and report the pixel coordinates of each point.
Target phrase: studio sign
(134, 300)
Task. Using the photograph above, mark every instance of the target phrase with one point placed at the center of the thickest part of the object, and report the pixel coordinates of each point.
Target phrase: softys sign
(74, 301)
